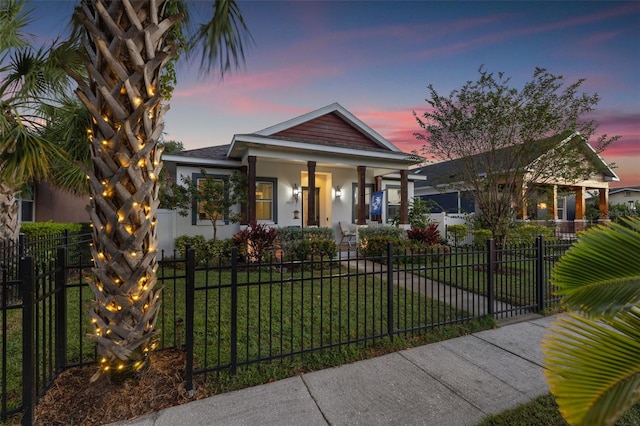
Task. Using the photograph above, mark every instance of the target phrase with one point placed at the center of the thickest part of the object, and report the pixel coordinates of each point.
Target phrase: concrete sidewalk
(453, 382)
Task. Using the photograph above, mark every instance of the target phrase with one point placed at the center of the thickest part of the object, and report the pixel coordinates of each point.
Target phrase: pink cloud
(506, 35)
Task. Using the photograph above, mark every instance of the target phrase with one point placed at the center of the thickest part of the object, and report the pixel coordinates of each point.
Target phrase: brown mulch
(73, 399)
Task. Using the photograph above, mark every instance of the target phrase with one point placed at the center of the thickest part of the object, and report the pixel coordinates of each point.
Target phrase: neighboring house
(559, 200)
(42, 202)
(328, 153)
(629, 196)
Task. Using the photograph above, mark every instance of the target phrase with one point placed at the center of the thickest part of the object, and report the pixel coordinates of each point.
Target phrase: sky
(376, 58)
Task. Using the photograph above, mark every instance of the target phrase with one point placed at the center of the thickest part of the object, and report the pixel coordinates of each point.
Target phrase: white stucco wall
(332, 209)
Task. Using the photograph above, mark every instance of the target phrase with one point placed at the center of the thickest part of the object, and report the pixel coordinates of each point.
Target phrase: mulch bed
(73, 399)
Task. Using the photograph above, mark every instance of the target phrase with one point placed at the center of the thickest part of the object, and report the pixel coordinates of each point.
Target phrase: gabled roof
(624, 189)
(445, 171)
(331, 125)
(329, 135)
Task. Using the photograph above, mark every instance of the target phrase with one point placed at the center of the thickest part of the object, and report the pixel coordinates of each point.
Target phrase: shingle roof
(445, 171)
(218, 152)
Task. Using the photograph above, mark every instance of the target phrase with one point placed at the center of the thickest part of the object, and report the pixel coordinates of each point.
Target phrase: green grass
(514, 279)
(544, 411)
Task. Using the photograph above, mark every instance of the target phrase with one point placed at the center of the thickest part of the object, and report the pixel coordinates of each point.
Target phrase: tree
(213, 197)
(171, 146)
(504, 139)
(128, 44)
(591, 356)
(26, 81)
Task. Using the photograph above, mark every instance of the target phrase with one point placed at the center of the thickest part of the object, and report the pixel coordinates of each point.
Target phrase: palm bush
(591, 356)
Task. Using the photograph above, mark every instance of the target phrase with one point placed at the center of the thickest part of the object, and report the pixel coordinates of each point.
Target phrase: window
(393, 202)
(265, 199)
(367, 199)
(27, 203)
(204, 206)
(212, 188)
(560, 208)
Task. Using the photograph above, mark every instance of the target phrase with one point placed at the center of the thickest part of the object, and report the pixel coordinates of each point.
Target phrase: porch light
(338, 192)
(296, 191)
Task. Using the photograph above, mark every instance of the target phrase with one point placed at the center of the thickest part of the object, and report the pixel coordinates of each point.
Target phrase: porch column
(580, 223)
(553, 207)
(377, 188)
(311, 194)
(251, 196)
(244, 208)
(604, 205)
(361, 218)
(522, 213)
(404, 197)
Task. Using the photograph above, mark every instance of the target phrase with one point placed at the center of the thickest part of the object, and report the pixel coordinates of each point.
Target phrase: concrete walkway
(454, 382)
(468, 301)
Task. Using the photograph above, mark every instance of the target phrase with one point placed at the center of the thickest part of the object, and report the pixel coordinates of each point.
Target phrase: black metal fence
(229, 315)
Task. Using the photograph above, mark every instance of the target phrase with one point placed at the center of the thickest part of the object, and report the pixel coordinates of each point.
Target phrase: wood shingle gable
(329, 130)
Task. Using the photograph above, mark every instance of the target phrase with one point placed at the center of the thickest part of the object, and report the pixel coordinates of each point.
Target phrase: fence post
(21, 248)
(61, 309)
(390, 289)
(66, 238)
(234, 311)
(540, 272)
(28, 344)
(491, 264)
(189, 314)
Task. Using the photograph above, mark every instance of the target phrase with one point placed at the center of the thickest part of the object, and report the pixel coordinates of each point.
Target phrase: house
(318, 169)
(628, 196)
(42, 202)
(556, 196)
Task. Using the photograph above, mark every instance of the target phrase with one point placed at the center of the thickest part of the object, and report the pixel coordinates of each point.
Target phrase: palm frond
(14, 19)
(223, 37)
(600, 275)
(593, 368)
(25, 155)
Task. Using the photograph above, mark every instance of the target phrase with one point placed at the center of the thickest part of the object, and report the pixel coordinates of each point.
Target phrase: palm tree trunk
(126, 52)
(9, 223)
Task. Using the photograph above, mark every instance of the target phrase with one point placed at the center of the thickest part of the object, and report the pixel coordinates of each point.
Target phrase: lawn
(544, 411)
(514, 275)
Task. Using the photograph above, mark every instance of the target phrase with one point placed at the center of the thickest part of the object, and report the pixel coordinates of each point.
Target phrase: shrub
(526, 234)
(196, 242)
(304, 243)
(428, 236)
(480, 236)
(219, 251)
(37, 230)
(380, 231)
(255, 241)
(377, 246)
(48, 235)
(457, 233)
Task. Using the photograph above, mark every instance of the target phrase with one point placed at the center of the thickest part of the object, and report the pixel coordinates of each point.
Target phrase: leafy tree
(591, 357)
(498, 133)
(213, 197)
(171, 146)
(127, 45)
(419, 213)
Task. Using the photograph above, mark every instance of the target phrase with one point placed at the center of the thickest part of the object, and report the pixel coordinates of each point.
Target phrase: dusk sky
(376, 59)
